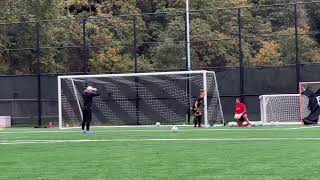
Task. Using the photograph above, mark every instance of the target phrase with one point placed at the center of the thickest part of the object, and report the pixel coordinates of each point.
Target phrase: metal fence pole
(188, 68)
(134, 19)
(38, 72)
(134, 26)
(297, 60)
(240, 54)
(85, 47)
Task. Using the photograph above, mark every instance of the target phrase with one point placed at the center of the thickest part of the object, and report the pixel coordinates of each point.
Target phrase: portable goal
(287, 108)
(139, 98)
(280, 109)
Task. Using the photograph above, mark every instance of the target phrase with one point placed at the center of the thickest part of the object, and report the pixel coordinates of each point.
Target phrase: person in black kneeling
(87, 96)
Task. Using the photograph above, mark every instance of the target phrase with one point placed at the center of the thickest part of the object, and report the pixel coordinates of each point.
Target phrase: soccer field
(289, 152)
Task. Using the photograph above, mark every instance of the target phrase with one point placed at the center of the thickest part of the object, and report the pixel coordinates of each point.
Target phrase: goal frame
(203, 72)
(263, 108)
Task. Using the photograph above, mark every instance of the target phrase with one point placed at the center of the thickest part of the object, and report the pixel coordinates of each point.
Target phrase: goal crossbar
(138, 74)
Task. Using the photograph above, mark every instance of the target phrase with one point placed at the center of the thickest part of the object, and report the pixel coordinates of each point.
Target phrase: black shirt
(88, 99)
(200, 104)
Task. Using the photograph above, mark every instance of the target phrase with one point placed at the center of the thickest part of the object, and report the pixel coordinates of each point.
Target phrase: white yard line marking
(26, 132)
(150, 140)
(306, 127)
(154, 129)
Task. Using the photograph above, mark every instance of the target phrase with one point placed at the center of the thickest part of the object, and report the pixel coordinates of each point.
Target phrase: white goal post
(139, 98)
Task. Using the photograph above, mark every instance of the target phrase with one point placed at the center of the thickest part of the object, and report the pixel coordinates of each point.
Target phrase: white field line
(306, 127)
(151, 140)
(155, 129)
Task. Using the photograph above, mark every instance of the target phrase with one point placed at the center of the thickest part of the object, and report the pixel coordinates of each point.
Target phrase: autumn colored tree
(268, 34)
(268, 55)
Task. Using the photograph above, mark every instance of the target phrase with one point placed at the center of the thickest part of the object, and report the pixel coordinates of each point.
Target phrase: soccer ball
(232, 124)
(158, 124)
(174, 129)
(257, 123)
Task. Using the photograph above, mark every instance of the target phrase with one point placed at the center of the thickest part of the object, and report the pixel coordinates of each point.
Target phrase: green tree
(308, 47)
(110, 60)
(169, 55)
(4, 66)
(22, 35)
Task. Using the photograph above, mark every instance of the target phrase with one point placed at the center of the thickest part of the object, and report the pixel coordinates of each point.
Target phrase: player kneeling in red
(241, 114)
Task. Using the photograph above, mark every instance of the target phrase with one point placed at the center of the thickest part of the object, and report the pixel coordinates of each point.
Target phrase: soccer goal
(280, 109)
(139, 98)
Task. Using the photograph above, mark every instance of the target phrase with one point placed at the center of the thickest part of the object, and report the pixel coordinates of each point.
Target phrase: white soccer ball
(257, 123)
(158, 124)
(232, 124)
(174, 129)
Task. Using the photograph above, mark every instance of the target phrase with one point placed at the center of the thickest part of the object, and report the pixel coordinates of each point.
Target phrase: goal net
(139, 98)
(280, 109)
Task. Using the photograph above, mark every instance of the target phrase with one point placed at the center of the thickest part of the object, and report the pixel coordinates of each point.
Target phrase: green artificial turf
(157, 153)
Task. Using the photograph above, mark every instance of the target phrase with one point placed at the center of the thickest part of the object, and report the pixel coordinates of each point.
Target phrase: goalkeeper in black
(87, 96)
(198, 109)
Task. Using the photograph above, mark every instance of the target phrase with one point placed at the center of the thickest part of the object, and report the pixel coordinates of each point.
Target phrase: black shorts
(241, 119)
(87, 115)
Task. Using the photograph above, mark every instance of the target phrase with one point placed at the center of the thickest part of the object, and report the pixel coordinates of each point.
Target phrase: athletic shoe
(89, 132)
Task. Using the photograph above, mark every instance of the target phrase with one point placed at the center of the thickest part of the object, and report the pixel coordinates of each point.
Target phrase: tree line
(268, 34)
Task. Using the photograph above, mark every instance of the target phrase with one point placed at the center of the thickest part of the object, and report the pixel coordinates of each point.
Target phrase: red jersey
(241, 108)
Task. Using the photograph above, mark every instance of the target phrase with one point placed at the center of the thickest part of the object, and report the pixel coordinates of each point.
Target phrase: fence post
(296, 46)
(240, 54)
(38, 72)
(134, 21)
(85, 47)
(188, 67)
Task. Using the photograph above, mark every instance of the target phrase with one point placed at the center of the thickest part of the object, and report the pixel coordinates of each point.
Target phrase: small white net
(280, 108)
(137, 99)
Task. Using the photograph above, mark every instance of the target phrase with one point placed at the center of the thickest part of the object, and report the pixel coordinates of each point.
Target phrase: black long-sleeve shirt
(88, 99)
(198, 105)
